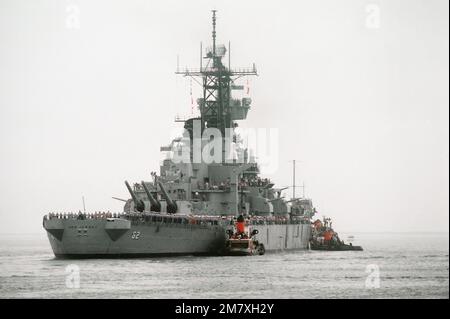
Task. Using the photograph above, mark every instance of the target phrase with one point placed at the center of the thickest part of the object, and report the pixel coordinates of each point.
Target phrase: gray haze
(364, 109)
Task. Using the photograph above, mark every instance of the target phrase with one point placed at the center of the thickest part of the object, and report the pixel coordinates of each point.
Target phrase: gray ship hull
(123, 238)
(116, 238)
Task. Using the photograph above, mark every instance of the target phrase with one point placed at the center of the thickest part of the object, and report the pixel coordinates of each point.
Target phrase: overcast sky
(358, 90)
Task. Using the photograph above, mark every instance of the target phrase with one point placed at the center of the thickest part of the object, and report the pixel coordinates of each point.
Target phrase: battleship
(195, 206)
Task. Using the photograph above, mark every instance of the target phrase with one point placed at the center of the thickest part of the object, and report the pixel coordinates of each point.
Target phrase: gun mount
(138, 203)
(155, 205)
(171, 204)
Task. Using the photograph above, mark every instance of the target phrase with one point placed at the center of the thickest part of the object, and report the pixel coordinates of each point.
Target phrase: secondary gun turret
(171, 204)
(138, 203)
(155, 205)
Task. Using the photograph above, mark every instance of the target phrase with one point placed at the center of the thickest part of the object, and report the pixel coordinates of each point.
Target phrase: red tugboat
(242, 243)
(323, 237)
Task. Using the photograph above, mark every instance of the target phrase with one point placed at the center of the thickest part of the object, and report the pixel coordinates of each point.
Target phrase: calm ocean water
(391, 266)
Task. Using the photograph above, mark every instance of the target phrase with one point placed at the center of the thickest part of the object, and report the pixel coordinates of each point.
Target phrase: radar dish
(221, 50)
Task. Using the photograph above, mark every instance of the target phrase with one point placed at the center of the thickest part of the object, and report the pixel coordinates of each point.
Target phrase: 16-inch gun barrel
(171, 204)
(155, 204)
(138, 203)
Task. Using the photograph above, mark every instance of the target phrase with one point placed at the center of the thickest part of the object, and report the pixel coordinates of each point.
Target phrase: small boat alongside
(241, 242)
(323, 237)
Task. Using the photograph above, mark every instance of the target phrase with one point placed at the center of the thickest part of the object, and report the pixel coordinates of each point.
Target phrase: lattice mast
(217, 107)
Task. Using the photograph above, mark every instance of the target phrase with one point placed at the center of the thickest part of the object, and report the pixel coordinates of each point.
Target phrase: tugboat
(242, 242)
(323, 237)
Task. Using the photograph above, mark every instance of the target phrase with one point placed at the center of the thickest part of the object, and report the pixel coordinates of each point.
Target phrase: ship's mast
(215, 106)
(214, 32)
